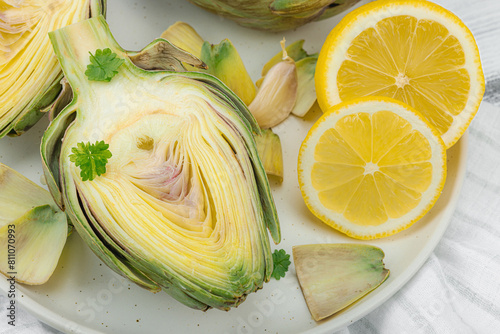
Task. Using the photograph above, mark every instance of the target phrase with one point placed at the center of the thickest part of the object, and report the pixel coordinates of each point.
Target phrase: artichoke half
(29, 73)
(275, 15)
(184, 204)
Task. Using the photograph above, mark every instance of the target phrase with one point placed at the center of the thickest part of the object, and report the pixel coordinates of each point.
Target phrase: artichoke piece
(270, 153)
(222, 60)
(32, 229)
(29, 72)
(333, 276)
(225, 63)
(306, 89)
(185, 37)
(277, 15)
(185, 202)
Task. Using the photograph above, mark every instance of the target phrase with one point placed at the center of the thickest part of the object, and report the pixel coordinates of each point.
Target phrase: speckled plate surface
(84, 296)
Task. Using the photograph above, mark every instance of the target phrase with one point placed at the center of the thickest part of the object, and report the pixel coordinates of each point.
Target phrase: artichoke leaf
(223, 60)
(225, 63)
(333, 276)
(306, 89)
(185, 37)
(270, 152)
(64, 98)
(32, 229)
(163, 55)
(185, 203)
(301, 9)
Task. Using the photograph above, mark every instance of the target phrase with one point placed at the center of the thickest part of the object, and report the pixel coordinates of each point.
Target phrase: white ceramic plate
(84, 296)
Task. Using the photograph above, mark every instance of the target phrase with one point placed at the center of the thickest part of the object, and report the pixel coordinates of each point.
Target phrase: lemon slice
(371, 167)
(411, 50)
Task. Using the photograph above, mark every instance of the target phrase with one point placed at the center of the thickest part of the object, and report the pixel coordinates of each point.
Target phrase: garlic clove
(276, 97)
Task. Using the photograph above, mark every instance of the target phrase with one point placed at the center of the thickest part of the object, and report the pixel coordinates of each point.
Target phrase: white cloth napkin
(458, 289)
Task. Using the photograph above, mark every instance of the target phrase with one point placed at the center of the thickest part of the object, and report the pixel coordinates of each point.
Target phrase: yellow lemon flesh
(371, 167)
(410, 50)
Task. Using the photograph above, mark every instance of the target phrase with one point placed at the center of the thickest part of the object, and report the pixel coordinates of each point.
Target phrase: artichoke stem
(74, 53)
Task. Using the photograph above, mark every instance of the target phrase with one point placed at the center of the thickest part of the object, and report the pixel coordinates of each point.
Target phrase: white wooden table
(483, 18)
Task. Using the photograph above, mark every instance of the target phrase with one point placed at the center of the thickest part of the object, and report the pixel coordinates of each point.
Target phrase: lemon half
(411, 50)
(371, 167)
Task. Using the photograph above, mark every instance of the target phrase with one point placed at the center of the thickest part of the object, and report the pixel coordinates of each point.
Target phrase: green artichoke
(275, 15)
(29, 73)
(183, 202)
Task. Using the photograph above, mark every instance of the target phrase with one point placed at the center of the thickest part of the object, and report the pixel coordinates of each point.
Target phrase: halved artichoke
(275, 15)
(29, 73)
(184, 203)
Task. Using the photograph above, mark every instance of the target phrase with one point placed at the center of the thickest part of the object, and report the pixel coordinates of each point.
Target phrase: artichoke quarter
(29, 73)
(184, 204)
(275, 15)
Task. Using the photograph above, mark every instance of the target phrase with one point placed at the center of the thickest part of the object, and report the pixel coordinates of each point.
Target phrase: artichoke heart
(185, 203)
(29, 72)
(33, 229)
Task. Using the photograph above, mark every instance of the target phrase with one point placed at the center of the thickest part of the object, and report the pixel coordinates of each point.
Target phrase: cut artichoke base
(185, 202)
(151, 148)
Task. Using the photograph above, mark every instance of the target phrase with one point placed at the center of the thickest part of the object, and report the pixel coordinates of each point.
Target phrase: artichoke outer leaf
(300, 9)
(306, 89)
(270, 153)
(64, 98)
(225, 63)
(40, 236)
(223, 60)
(336, 7)
(50, 150)
(185, 37)
(32, 229)
(207, 131)
(163, 55)
(333, 276)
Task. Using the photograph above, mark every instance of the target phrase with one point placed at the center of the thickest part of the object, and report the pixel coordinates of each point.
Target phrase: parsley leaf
(281, 262)
(91, 158)
(103, 65)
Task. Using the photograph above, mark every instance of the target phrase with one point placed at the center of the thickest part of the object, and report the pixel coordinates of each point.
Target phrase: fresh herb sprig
(281, 262)
(91, 158)
(103, 65)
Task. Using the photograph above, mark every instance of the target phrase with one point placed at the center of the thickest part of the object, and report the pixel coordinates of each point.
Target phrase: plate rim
(67, 325)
